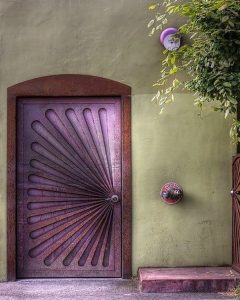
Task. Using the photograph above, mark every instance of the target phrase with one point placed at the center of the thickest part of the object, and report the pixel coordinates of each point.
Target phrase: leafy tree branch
(211, 59)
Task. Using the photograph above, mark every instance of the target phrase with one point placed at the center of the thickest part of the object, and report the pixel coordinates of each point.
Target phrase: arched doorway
(69, 178)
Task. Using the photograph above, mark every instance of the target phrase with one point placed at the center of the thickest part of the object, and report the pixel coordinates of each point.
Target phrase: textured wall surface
(109, 39)
(196, 153)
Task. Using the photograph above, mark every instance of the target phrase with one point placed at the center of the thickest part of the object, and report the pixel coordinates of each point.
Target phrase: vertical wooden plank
(11, 188)
(238, 117)
(127, 187)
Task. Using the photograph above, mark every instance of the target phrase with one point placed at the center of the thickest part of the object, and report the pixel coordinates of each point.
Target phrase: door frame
(69, 86)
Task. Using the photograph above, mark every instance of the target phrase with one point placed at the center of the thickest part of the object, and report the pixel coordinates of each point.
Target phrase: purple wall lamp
(169, 39)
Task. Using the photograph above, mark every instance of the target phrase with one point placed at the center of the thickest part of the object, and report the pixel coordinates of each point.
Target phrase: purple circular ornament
(171, 193)
(166, 32)
(167, 39)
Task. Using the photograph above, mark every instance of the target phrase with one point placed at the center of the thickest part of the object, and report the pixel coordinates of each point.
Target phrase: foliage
(211, 58)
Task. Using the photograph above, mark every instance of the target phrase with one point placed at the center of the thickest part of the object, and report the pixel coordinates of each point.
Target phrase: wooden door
(236, 212)
(69, 187)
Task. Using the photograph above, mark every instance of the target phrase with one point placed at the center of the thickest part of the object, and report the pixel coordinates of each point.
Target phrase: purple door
(69, 187)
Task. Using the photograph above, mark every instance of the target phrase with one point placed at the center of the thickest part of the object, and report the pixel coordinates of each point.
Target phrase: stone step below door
(175, 280)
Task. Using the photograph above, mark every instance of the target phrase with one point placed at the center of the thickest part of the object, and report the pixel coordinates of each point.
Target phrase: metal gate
(236, 212)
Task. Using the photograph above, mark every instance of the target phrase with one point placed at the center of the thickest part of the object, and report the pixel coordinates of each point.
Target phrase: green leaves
(227, 84)
(225, 18)
(152, 7)
(211, 61)
(235, 131)
(224, 6)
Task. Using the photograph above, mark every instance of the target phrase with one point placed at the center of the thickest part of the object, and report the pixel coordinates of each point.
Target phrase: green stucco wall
(109, 38)
(196, 153)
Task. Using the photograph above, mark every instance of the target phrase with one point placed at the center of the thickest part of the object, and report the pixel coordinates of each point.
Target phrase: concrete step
(175, 280)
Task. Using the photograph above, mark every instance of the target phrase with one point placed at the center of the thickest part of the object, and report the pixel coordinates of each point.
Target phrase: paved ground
(101, 289)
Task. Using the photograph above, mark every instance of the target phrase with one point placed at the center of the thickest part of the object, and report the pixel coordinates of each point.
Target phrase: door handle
(232, 192)
(113, 199)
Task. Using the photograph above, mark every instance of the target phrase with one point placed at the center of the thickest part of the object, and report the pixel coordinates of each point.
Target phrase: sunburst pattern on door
(71, 193)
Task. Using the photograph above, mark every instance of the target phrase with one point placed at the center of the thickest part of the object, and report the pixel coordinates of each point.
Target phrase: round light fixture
(169, 39)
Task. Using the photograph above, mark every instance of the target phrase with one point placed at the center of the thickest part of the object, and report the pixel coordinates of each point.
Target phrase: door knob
(113, 199)
(232, 192)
